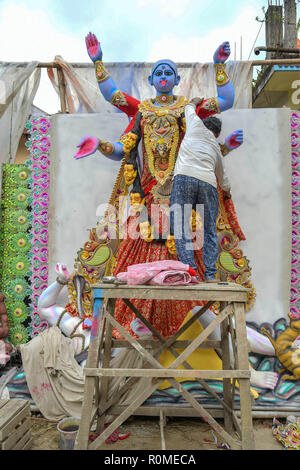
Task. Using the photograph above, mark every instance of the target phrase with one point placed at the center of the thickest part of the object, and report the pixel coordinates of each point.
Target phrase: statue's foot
(62, 272)
(263, 379)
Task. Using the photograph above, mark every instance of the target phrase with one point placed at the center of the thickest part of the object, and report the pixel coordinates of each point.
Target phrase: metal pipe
(288, 50)
(276, 62)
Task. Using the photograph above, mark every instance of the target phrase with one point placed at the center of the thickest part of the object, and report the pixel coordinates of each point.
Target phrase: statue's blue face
(164, 79)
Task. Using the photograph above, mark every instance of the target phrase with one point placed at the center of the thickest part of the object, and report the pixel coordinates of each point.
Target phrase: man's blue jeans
(187, 192)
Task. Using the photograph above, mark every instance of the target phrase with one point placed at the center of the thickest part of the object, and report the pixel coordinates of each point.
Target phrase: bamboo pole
(62, 90)
(61, 84)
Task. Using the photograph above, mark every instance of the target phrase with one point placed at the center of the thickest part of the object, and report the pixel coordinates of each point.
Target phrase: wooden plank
(203, 286)
(234, 292)
(162, 434)
(205, 333)
(189, 323)
(149, 343)
(22, 442)
(136, 403)
(171, 344)
(245, 394)
(183, 410)
(81, 441)
(110, 311)
(13, 421)
(28, 444)
(143, 352)
(176, 355)
(235, 445)
(16, 434)
(167, 373)
(227, 296)
(228, 422)
(3, 403)
(12, 407)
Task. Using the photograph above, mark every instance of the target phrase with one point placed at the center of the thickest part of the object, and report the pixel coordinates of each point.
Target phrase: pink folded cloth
(167, 272)
(173, 278)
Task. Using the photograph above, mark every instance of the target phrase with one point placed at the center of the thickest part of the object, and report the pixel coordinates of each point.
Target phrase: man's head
(164, 76)
(214, 124)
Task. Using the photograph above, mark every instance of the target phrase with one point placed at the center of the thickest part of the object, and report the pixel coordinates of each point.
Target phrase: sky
(130, 31)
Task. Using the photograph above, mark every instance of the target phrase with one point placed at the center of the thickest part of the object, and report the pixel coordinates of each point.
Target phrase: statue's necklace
(163, 100)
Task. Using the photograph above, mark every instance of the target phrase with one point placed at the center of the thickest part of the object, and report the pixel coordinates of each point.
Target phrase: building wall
(260, 174)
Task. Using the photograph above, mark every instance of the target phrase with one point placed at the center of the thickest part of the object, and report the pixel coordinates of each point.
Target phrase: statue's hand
(87, 146)
(235, 139)
(93, 47)
(62, 271)
(222, 53)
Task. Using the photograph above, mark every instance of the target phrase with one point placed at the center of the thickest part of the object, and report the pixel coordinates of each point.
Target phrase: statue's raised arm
(106, 84)
(225, 92)
(89, 144)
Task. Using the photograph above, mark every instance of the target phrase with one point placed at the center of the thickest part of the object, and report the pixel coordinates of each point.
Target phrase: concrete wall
(260, 173)
(78, 187)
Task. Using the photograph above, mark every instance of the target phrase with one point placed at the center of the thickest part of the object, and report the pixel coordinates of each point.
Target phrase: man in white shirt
(199, 164)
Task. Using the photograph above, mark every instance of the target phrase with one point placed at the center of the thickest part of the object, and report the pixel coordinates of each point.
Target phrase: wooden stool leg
(82, 439)
(111, 303)
(243, 364)
(227, 393)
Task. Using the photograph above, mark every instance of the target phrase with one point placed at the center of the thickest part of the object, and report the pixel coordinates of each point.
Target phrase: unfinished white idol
(70, 326)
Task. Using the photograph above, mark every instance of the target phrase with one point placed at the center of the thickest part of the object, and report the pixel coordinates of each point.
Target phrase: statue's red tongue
(163, 82)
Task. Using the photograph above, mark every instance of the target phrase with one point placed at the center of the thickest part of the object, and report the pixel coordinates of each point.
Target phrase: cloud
(200, 48)
(176, 8)
(28, 34)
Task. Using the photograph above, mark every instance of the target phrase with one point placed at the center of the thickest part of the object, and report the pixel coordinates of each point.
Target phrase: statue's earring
(150, 80)
(177, 80)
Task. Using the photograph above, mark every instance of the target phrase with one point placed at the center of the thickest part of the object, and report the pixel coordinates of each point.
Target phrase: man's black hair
(214, 124)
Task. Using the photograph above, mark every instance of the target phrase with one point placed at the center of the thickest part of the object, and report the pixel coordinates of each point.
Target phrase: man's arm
(222, 176)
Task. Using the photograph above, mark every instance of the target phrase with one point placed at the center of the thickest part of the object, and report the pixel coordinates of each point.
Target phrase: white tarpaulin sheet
(18, 86)
(196, 80)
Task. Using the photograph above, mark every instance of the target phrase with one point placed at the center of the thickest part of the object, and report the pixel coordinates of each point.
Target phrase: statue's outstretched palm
(87, 146)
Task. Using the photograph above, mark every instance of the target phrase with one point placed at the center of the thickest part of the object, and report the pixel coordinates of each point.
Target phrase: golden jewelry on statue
(118, 99)
(195, 221)
(163, 100)
(183, 126)
(224, 149)
(161, 136)
(106, 147)
(129, 174)
(101, 73)
(211, 104)
(136, 199)
(221, 76)
(62, 283)
(128, 141)
(171, 245)
(146, 231)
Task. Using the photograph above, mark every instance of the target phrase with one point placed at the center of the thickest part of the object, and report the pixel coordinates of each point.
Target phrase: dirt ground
(180, 434)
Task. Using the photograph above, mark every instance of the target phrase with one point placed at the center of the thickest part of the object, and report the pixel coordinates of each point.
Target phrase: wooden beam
(166, 373)
(276, 62)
